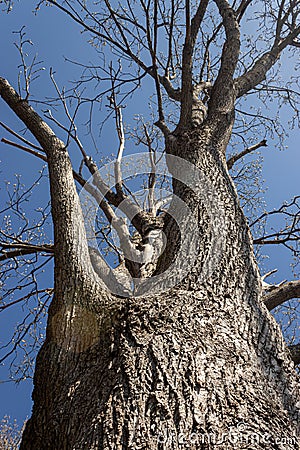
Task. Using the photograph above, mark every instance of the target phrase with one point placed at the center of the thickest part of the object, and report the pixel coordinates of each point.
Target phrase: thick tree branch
(233, 159)
(221, 104)
(197, 20)
(152, 47)
(140, 219)
(277, 295)
(83, 183)
(71, 251)
(130, 252)
(187, 93)
(70, 238)
(174, 94)
(106, 274)
(231, 47)
(258, 72)
(120, 227)
(242, 9)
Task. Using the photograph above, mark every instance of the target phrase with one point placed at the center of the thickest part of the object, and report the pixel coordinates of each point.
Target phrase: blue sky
(54, 38)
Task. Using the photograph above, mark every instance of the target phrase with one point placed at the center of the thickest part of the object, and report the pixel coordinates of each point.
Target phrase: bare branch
(106, 36)
(280, 294)
(25, 297)
(122, 46)
(101, 202)
(12, 250)
(282, 210)
(139, 218)
(242, 9)
(24, 332)
(51, 143)
(277, 238)
(268, 274)
(19, 136)
(26, 149)
(233, 159)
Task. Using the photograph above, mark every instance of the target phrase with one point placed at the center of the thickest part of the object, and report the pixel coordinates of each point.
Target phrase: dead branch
(120, 132)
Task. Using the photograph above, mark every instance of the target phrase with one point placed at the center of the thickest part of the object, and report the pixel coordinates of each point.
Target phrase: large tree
(176, 346)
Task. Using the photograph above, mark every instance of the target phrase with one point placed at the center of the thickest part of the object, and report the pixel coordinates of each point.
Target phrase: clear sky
(54, 38)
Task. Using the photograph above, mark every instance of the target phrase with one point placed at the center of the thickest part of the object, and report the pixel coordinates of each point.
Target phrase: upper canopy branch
(222, 94)
(192, 28)
(197, 20)
(119, 40)
(286, 34)
(283, 209)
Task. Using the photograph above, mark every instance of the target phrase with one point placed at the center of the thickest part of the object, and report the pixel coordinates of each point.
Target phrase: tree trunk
(201, 365)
